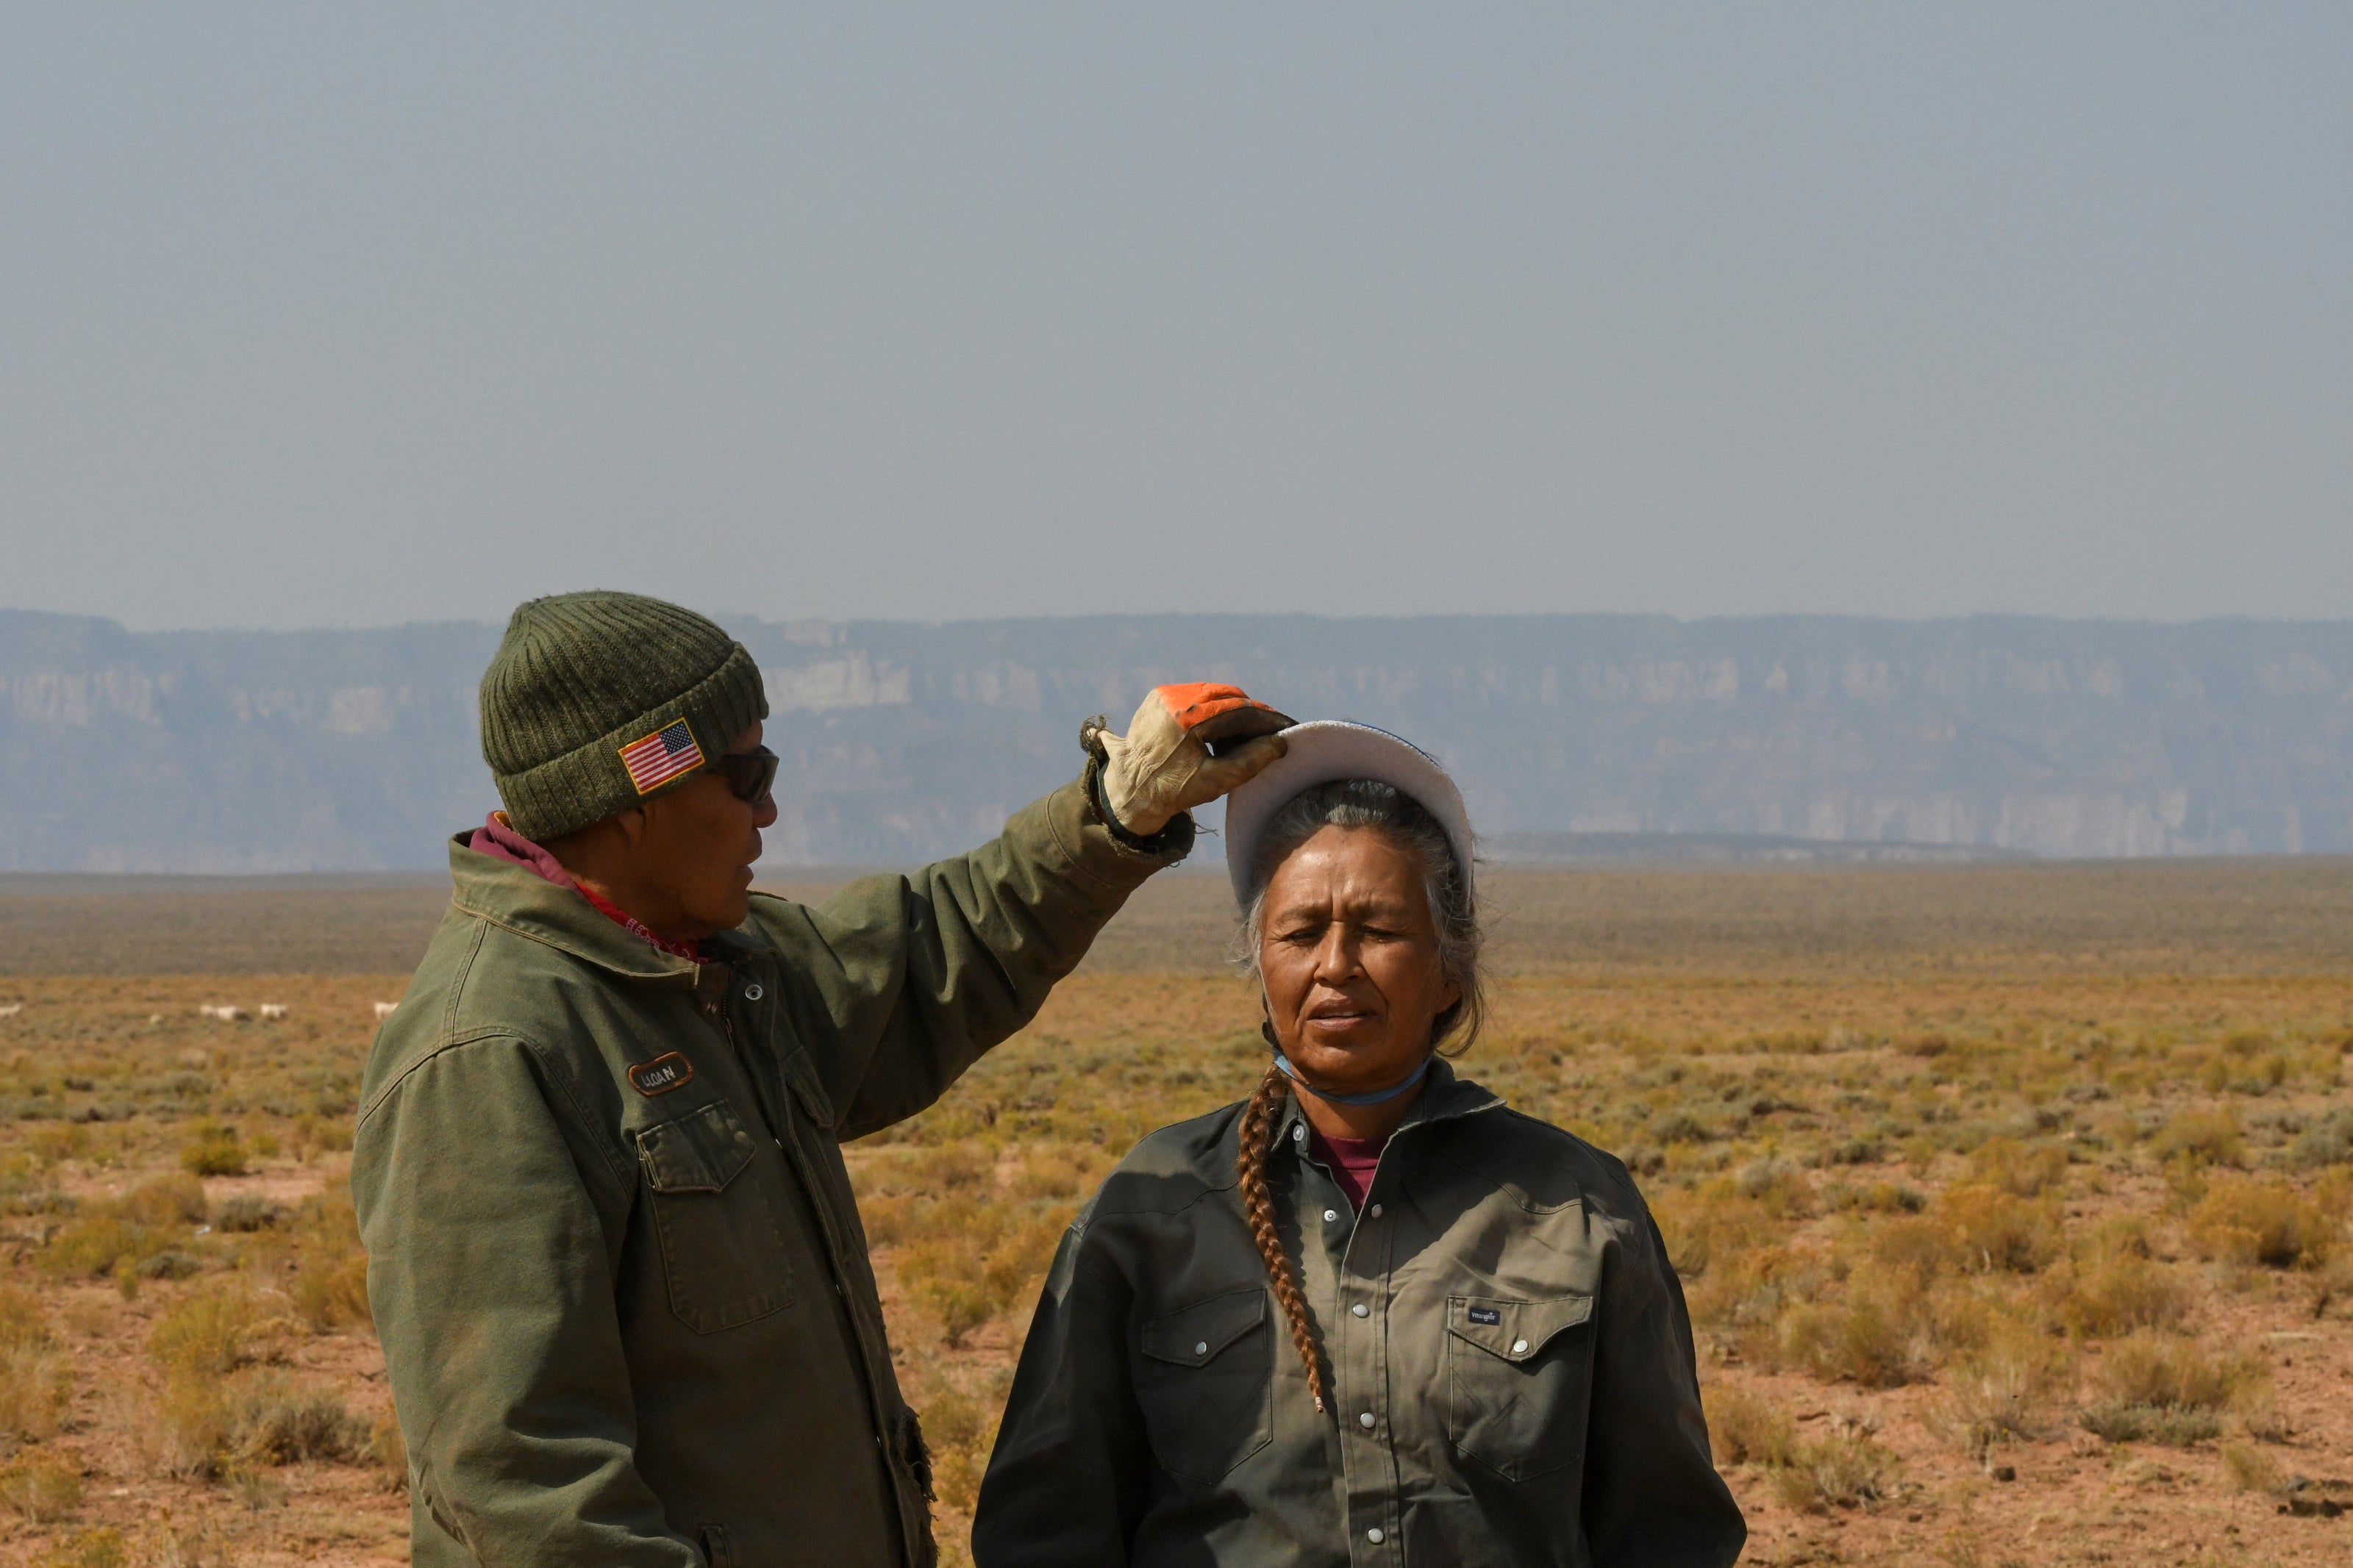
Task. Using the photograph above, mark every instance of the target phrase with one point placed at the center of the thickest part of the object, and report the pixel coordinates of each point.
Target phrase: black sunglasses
(750, 775)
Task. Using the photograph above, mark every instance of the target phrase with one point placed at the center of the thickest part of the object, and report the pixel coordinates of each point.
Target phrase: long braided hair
(1259, 1119)
(1348, 803)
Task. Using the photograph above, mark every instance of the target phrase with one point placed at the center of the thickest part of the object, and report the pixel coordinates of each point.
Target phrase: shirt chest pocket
(1204, 1377)
(1519, 1377)
(722, 1252)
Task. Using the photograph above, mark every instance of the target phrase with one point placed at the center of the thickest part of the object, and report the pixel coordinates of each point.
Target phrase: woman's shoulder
(1547, 1167)
(1173, 1166)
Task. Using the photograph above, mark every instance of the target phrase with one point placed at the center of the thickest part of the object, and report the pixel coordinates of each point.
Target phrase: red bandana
(496, 839)
(691, 950)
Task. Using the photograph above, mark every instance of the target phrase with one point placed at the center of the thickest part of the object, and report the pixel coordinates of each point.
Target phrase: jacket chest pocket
(1519, 1376)
(1204, 1377)
(723, 1251)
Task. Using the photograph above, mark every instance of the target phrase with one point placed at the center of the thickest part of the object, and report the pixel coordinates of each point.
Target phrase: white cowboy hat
(1327, 749)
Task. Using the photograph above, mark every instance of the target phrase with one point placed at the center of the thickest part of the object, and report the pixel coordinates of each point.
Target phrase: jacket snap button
(1201, 1349)
(1374, 1535)
(1331, 1214)
(1361, 1310)
(753, 993)
(1519, 1347)
(1365, 1420)
(1377, 1211)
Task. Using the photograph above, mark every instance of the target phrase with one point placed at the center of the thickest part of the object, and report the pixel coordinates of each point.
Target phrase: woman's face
(1350, 960)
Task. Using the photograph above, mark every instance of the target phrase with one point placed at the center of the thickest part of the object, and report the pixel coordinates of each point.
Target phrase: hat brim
(1327, 749)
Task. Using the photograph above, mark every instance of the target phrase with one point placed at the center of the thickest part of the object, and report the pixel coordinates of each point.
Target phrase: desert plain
(2011, 1200)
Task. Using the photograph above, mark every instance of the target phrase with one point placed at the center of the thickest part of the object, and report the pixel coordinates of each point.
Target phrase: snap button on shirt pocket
(1366, 1420)
(1361, 1310)
(1204, 1378)
(1374, 1535)
(1517, 1374)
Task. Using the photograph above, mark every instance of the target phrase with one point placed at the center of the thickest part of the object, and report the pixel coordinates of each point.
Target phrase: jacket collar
(518, 899)
(1445, 1097)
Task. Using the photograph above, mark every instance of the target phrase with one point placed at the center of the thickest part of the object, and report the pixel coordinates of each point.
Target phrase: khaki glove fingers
(1222, 775)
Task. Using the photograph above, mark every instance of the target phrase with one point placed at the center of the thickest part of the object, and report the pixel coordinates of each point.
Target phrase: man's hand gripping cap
(1186, 745)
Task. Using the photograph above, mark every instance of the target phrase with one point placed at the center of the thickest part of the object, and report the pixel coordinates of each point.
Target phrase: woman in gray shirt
(1371, 1314)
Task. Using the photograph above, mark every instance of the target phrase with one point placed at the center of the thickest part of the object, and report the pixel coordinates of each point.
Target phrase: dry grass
(1962, 1168)
(2262, 1220)
(184, 1375)
(1841, 1469)
(36, 1382)
(213, 1150)
(1874, 1335)
(39, 1491)
(329, 1284)
(2170, 1390)
(2250, 1468)
(2008, 1388)
(101, 1548)
(205, 1337)
(1744, 1428)
(276, 1419)
(2202, 1137)
(2108, 1293)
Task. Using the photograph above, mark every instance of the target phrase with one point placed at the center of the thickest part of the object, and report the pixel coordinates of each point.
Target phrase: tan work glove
(1163, 764)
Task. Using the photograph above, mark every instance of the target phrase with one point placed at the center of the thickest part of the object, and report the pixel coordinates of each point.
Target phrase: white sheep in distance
(384, 1010)
(272, 1011)
(12, 1009)
(227, 1013)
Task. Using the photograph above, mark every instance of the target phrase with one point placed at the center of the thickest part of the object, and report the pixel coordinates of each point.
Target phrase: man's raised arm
(899, 983)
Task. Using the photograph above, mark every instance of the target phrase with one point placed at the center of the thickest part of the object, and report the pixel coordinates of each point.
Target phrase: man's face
(698, 846)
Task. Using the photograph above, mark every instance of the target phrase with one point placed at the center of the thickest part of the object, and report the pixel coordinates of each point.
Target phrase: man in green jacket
(613, 1252)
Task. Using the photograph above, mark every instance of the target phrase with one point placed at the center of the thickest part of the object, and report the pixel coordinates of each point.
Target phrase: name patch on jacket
(1485, 1315)
(667, 1072)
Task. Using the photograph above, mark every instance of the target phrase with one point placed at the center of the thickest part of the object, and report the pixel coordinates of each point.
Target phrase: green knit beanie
(581, 704)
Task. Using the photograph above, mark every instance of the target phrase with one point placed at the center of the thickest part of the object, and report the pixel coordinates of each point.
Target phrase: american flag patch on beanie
(661, 756)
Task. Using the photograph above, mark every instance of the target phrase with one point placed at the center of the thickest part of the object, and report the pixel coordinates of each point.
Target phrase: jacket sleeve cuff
(1170, 845)
(1099, 852)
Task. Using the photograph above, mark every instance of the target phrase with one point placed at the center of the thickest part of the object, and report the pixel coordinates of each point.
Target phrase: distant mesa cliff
(328, 751)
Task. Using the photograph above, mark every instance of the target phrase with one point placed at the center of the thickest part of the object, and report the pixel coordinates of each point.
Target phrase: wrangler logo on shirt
(666, 1072)
(1485, 1315)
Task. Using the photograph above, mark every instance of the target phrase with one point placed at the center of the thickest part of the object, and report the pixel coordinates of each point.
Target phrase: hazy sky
(319, 315)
